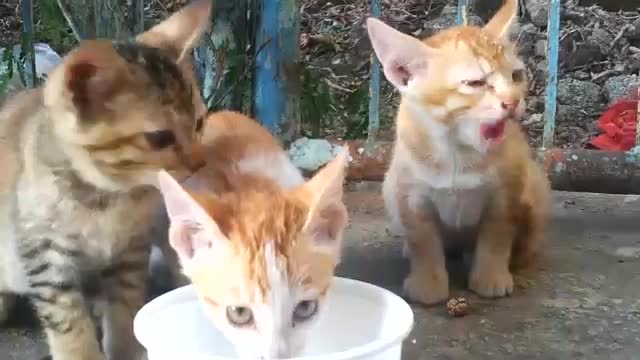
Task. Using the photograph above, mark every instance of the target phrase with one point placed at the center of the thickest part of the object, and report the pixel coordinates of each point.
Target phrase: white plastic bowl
(362, 321)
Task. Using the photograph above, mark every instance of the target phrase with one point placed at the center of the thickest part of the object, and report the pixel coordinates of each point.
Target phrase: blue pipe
(463, 12)
(276, 45)
(374, 84)
(27, 44)
(550, 105)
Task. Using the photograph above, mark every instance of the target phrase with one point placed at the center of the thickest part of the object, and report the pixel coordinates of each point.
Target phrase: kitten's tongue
(493, 131)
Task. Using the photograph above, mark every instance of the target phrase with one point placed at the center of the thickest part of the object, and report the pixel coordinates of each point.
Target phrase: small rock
(457, 307)
(534, 118)
(581, 94)
(602, 39)
(526, 39)
(311, 154)
(585, 53)
(541, 48)
(539, 11)
(535, 104)
(619, 86)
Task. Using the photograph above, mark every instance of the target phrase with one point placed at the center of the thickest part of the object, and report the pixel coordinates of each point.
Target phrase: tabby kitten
(259, 244)
(80, 158)
(462, 174)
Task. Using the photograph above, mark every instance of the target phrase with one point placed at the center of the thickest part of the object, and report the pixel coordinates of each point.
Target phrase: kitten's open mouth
(493, 131)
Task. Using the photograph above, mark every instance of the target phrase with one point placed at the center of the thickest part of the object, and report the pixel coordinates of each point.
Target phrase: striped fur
(81, 159)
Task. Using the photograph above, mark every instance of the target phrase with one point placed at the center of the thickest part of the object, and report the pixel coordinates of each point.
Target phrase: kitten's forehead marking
(279, 291)
(166, 81)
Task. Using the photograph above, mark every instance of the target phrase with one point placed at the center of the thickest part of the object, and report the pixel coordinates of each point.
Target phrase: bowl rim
(405, 315)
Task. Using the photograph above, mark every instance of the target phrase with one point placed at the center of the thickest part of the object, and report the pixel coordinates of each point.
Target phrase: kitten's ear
(500, 25)
(191, 229)
(89, 76)
(181, 31)
(402, 57)
(327, 217)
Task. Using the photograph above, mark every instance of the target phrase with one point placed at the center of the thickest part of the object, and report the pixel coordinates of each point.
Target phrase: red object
(493, 131)
(618, 125)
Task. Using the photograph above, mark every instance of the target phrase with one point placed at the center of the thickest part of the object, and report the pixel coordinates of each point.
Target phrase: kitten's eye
(160, 139)
(199, 124)
(518, 75)
(305, 309)
(239, 316)
(475, 83)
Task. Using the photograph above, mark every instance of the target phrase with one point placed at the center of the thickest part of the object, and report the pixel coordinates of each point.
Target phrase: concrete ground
(580, 301)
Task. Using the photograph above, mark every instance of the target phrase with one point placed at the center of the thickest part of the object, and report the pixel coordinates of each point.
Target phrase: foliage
(324, 107)
(52, 27)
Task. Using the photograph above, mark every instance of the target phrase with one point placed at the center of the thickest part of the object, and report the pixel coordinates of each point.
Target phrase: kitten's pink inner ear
(181, 31)
(89, 81)
(402, 57)
(180, 240)
(327, 216)
(500, 24)
(191, 227)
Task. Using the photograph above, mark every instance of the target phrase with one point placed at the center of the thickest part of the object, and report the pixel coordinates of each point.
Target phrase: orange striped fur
(461, 167)
(251, 234)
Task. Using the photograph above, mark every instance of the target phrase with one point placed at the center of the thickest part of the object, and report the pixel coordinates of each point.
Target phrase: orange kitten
(258, 242)
(460, 161)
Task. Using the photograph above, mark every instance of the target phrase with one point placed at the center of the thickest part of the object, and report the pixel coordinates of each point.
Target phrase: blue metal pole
(463, 12)
(374, 84)
(553, 43)
(276, 74)
(27, 44)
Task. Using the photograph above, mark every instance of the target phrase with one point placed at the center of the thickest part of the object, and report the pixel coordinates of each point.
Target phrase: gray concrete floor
(580, 301)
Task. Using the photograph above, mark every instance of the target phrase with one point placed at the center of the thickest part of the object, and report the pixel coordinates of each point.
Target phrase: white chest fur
(458, 197)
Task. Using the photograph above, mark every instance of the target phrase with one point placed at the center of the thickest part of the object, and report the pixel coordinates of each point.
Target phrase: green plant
(6, 69)
(52, 27)
(315, 102)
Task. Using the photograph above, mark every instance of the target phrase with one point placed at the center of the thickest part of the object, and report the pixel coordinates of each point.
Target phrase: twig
(605, 74)
(338, 87)
(70, 21)
(620, 35)
(240, 78)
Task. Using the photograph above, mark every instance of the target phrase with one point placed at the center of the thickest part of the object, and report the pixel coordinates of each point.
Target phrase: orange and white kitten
(258, 243)
(461, 166)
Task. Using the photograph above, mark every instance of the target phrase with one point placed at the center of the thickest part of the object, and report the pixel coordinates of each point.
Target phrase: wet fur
(272, 239)
(445, 181)
(78, 187)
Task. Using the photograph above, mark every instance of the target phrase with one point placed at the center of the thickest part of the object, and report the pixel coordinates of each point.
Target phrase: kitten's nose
(510, 105)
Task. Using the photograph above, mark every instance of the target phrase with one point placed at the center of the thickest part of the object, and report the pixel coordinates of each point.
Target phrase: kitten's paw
(492, 282)
(430, 289)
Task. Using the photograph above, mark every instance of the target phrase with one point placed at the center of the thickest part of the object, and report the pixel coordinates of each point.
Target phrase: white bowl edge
(405, 315)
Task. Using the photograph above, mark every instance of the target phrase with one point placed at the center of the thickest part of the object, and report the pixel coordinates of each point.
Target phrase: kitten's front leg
(125, 294)
(428, 281)
(490, 275)
(60, 304)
